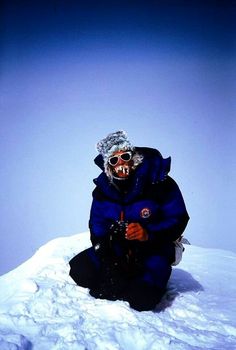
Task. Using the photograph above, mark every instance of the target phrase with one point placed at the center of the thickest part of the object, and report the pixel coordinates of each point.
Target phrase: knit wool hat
(114, 142)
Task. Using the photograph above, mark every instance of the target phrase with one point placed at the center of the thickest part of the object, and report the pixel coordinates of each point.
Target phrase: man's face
(121, 163)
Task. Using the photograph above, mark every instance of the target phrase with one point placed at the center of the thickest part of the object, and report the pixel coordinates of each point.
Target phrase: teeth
(123, 169)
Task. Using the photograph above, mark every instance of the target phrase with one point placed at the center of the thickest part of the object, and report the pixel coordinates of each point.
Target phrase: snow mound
(42, 308)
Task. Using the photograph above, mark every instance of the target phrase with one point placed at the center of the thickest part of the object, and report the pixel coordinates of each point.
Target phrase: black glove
(102, 247)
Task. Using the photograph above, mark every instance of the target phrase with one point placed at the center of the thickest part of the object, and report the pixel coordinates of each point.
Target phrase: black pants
(142, 292)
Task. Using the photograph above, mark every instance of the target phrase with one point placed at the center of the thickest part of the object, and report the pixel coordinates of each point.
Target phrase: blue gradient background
(71, 72)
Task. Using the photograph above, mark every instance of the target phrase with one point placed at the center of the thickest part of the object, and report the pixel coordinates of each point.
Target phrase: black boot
(142, 296)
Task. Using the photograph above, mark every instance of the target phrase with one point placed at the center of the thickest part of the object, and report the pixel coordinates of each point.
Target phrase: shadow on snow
(180, 282)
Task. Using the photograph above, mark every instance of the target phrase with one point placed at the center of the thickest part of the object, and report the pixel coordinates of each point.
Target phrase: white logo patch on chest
(145, 213)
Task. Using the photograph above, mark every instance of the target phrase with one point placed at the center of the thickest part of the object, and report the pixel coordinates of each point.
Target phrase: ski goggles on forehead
(126, 157)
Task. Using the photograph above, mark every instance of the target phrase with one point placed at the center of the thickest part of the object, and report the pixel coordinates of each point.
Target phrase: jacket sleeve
(173, 214)
(99, 226)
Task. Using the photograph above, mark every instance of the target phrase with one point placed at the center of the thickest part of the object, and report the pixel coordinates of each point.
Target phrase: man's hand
(136, 231)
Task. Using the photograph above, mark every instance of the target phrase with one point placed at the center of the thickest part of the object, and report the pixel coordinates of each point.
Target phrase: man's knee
(82, 269)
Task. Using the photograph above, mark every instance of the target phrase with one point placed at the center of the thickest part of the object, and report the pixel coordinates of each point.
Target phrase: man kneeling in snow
(137, 214)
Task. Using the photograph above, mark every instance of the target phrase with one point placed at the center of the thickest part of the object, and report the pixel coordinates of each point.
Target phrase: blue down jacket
(153, 199)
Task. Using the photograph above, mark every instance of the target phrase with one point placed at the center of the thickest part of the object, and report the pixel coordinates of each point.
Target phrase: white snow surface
(42, 308)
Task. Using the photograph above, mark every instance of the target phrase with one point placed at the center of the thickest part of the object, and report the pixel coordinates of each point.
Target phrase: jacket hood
(157, 166)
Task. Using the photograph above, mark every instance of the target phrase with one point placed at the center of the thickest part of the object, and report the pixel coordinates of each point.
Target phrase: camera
(118, 230)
